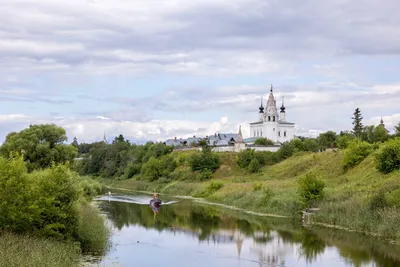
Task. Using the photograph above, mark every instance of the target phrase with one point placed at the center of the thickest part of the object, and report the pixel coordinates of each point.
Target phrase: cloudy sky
(156, 69)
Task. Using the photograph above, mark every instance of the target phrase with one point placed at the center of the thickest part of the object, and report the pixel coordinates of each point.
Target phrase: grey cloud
(285, 29)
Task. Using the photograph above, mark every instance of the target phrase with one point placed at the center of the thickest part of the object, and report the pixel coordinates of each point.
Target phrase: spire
(382, 124)
(283, 106)
(240, 137)
(104, 138)
(261, 106)
(271, 88)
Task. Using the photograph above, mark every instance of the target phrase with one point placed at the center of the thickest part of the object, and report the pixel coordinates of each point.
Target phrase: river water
(183, 232)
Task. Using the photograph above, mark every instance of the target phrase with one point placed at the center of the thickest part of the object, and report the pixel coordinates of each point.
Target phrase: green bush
(285, 151)
(344, 140)
(244, 158)
(266, 195)
(205, 175)
(254, 166)
(311, 189)
(311, 145)
(257, 186)
(388, 156)
(266, 157)
(46, 202)
(356, 152)
(91, 188)
(263, 142)
(214, 186)
(378, 201)
(211, 188)
(204, 160)
(157, 168)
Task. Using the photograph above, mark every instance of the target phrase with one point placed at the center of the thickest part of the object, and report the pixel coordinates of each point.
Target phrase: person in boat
(155, 196)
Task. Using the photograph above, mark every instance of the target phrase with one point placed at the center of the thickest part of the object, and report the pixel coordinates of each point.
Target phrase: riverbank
(360, 199)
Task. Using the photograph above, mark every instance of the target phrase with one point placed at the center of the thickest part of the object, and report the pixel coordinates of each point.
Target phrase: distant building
(270, 124)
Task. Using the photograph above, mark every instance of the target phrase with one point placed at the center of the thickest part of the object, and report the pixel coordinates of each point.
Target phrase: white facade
(272, 125)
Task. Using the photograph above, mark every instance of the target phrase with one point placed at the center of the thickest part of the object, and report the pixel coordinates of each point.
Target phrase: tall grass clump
(388, 156)
(355, 153)
(92, 233)
(28, 251)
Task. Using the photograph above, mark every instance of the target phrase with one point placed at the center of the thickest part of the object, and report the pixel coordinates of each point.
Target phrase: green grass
(28, 251)
(93, 234)
(347, 193)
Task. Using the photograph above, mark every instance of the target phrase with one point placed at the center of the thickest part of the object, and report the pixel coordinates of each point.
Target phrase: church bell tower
(272, 113)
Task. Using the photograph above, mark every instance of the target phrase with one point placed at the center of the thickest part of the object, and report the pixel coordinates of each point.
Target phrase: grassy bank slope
(352, 198)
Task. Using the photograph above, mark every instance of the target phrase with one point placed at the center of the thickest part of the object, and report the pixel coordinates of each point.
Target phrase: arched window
(254, 133)
(261, 133)
(284, 134)
(273, 118)
(279, 133)
(269, 118)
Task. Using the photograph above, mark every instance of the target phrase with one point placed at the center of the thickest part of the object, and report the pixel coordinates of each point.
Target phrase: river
(183, 232)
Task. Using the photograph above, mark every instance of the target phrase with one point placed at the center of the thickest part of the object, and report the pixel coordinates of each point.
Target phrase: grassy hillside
(361, 198)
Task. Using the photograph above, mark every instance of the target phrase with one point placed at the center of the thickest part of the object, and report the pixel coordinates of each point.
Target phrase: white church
(271, 124)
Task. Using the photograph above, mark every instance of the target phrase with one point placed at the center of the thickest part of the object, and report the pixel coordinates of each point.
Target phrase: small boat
(155, 202)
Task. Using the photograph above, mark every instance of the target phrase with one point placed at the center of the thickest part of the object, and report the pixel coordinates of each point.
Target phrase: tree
(397, 128)
(388, 156)
(358, 126)
(263, 142)
(372, 134)
(75, 143)
(328, 139)
(310, 144)
(40, 145)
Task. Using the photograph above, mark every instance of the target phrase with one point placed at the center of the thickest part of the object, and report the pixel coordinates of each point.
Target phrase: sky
(153, 70)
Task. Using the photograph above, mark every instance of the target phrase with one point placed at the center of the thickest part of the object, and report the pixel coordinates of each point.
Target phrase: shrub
(311, 188)
(356, 152)
(204, 160)
(244, 158)
(266, 157)
(378, 201)
(266, 195)
(310, 144)
(211, 188)
(257, 186)
(344, 140)
(388, 156)
(263, 142)
(254, 166)
(214, 186)
(91, 188)
(285, 151)
(157, 168)
(205, 175)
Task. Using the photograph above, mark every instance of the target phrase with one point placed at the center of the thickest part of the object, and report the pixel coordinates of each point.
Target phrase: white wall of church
(285, 132)
(270, 128)
(256, 130)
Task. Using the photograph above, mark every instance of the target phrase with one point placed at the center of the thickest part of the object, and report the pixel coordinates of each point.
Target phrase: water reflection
(201, 235)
